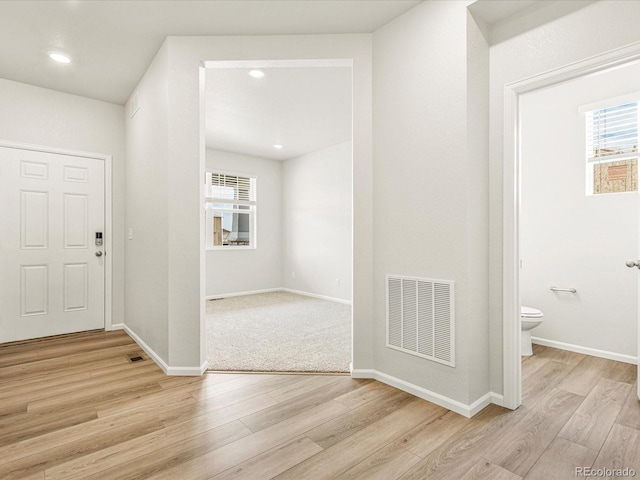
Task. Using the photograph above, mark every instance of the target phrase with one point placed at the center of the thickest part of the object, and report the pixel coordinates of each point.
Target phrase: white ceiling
(113, 42)
(303, 109)
(493, 12)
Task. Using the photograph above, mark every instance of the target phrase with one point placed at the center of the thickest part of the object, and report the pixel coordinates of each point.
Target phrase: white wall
(429, 174)
(424, 135)
(147, 272)
(172, 133)
(571, 239)
(236, 271)
(532, 51)
(317, 219)
(477, 193)
(46, 117)
(430, 201)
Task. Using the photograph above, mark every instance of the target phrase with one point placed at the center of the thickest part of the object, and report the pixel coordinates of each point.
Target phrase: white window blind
(612, 132)
(230, 210)
(223, 187)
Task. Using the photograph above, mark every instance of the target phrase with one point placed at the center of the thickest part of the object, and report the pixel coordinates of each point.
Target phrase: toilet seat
(528, 312)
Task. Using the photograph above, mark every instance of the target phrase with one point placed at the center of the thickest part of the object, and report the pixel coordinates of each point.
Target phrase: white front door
(52, 273)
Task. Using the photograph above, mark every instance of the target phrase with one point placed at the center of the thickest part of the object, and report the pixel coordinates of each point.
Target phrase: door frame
(512, 374)
(108, 209)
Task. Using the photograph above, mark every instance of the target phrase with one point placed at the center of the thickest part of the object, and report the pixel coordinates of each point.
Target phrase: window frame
(592, 159)
(210, 209)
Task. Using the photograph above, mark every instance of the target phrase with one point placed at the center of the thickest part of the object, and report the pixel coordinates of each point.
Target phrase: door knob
(98, 253)
(632, 264)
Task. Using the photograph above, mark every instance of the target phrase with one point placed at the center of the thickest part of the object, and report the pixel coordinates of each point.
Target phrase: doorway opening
(278, 216)
(514, 157)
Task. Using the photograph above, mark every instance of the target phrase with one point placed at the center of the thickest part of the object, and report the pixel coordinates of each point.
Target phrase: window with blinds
(612, 149)
(230, 210)
(230, 187)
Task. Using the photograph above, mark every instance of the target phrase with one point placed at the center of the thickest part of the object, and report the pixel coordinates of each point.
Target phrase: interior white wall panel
(430, 214)
(45, 117)
(317, 222)
(179, 152)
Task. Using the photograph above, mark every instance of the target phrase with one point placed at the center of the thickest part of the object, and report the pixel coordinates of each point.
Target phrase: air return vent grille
(420, 317)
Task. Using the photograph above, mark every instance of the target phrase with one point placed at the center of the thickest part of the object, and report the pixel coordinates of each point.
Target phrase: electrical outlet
(130, 233)
(293, 274)
(337, 282)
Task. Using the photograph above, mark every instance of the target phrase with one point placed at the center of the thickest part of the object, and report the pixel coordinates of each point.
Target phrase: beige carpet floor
(278, 332)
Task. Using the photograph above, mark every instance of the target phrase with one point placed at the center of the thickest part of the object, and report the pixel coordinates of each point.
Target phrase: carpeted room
(278, 216)
(278, 332)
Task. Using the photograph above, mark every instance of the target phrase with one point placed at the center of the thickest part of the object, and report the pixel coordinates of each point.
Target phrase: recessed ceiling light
(59, 57)
(256, 73)
(277, 146)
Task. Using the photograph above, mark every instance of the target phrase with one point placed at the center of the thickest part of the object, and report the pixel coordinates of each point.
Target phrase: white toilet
(529, 318)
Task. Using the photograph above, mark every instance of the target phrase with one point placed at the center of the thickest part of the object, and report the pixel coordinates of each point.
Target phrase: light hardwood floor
(76, 407)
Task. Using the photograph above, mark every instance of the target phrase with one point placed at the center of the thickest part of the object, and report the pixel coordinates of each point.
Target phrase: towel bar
(558, 289)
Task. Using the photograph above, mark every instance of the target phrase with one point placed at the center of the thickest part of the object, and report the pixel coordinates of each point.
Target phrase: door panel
(34, 289)
(51, 281)
(34, 219)
(75, 221)
(75, 287)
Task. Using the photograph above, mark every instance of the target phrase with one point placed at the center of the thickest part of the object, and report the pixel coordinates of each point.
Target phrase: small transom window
(612, 149)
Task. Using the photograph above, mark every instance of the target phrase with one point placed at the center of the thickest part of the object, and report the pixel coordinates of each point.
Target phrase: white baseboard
(268, 290)
(116, 326)
(315, 295)
(188, 371)
(497, 399)
(148, 350)
(171, 371)
(433, 397)
(594, 352)
(241, 294)
(479, 404)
